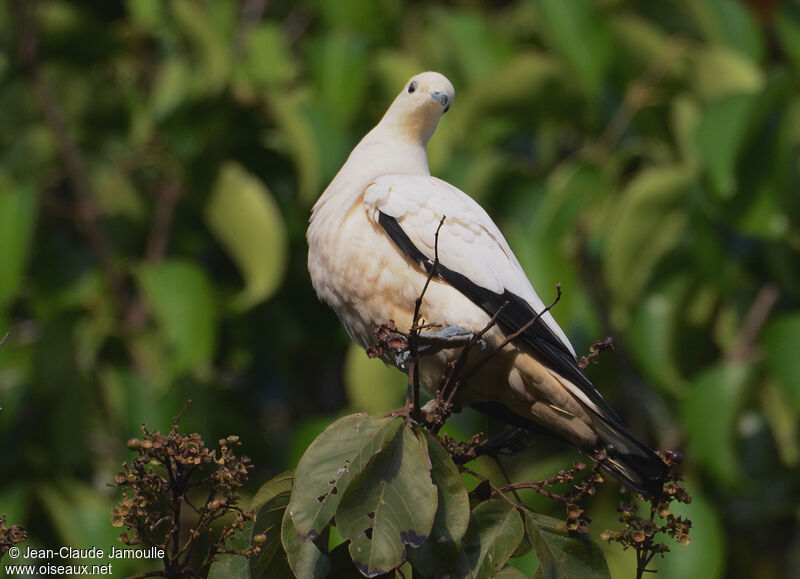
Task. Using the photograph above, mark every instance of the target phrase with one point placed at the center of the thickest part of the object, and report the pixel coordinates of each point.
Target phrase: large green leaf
(646, 223)
(564, 554)
(438, 553)
(269, 508)
(247, 221)
(709, 415)
(390, 504)
(729, 23)
(305, 558)
(179, 294)
(494, 533)
(720, 72)
(18, 208)
(575, 31)
(781, 339)
(653, 337)
(719, 136)
(328, 466)
(336, 56)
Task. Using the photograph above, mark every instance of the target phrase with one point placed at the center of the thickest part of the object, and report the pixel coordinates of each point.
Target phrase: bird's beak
(440, 98)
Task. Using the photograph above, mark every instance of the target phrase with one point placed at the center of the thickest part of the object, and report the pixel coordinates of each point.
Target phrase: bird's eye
(412, 87)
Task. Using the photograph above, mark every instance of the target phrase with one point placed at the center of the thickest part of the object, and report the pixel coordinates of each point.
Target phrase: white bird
(371, 244)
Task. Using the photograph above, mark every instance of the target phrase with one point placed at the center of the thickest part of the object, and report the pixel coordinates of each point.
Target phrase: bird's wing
(475, 259)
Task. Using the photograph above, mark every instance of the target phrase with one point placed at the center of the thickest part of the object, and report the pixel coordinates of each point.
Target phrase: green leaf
(305, 558)
(575, 31)
(564, 554)
(269, 507)
(335, 457)
(728, 22)
(231, 565)
(438, 553)
(645, 224)
(787, 26)
(390, 504)
(720, 72)
(372, 386)
(709, 415)
(335, 56)
(18, 209)
(653, 338)
(266, 43)
(244, 217)
(719, 137)
(495, 531)
(179, 294)
(510, 572)
(780, 339)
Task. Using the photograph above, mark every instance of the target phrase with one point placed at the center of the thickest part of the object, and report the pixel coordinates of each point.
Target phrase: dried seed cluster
(640, 533)
(175, 491)
(10, 536)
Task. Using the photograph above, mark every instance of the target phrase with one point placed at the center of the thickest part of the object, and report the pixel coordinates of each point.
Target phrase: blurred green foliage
(158, 161)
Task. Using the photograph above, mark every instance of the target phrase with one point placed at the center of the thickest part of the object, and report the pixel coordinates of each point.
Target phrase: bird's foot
(445, 339)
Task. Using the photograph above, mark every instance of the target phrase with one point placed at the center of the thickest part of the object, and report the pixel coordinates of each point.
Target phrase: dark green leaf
(305, 558)
(719, 136)
(269, 507)
(564, 554)
(575, 31)
(438, 553)
(495, 531)
(180, 295)
(231, 565)
(329, 464)
(18, 208)
(643, 226)
(390, 504)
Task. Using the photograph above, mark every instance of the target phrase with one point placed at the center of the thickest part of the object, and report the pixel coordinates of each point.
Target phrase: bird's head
(419, 106)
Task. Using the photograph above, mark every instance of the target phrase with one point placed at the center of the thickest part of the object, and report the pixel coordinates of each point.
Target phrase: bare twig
(415, 412)
(169, 195)
(514, 335)
(600, 346)
(755, 320)
(3, 341)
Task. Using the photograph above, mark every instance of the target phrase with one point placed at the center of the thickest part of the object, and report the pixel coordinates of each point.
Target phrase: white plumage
(371, 241)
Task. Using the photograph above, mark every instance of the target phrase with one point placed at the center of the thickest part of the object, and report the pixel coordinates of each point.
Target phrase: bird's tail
(627, 458)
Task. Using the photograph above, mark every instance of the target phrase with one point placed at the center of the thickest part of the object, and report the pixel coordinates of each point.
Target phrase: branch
(755, 320)
(415, 411)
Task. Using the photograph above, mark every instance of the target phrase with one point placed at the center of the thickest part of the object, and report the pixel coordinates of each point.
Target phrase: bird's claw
(446, 339)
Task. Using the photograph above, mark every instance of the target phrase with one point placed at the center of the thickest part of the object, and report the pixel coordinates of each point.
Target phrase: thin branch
(3, 341)
(415, 412)
(755, 320)
(169, 195)
(513, 336)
